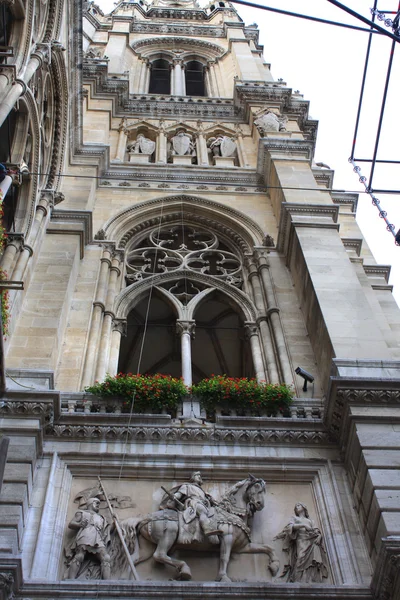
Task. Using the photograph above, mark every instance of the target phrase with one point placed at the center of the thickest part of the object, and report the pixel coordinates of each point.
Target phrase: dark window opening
(5, 29)
(194, 73)
(9, 209)
(160, 77)
(7, 131)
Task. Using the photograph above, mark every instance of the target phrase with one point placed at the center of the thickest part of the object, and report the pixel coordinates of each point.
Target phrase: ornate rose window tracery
(183, 248)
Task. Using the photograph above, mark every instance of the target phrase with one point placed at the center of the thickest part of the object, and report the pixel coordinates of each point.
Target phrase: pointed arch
(225, 221)
(128, 297)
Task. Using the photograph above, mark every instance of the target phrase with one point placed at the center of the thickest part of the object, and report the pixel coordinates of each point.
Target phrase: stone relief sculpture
(181, 144)
(222, 146)
(187, 518)
(270, 121)
(302, 540)
(195, 504)
(142, 145)
(92, 537)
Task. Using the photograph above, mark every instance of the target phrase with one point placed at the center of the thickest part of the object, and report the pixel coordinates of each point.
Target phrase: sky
(326, 64)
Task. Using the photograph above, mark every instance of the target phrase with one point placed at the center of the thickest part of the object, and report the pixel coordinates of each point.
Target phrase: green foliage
(148, 392)
(5, 307)
(243, 394)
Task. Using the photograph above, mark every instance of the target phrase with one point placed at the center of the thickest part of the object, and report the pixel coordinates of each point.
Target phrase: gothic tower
(165, 217)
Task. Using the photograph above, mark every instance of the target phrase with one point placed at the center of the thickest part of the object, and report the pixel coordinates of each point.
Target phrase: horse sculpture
(232, 515)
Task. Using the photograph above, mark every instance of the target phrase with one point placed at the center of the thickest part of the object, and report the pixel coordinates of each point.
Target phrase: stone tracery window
(183, 248)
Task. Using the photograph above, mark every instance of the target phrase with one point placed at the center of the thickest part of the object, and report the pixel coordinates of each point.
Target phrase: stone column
(22, 261)
(186, 330)
(274, 317)
(119, 329)
(147, 80)
(122, 140)
(14, 242)
(105, 335)
(19, 86)
(98, 308)
(47, 200)
(266, 337)
(214, 78)
(178, 77)
(207, 79)
(143, 76)
(161, 147)
(6, 77)
(202, 157)
(16, 90)
(243, 160)
(252, 333)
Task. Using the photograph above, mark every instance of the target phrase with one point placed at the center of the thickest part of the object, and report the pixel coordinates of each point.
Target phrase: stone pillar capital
(251, 329)
(120, 325)
(187, 327)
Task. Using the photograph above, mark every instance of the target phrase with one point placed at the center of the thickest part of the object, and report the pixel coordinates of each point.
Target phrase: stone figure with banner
(92, 537)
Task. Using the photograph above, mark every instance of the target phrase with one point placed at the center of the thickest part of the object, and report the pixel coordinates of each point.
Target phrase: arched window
(160, 77)
(197, 261)
(194, 73)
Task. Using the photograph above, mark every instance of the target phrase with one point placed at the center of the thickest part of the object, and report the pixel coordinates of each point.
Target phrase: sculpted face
(196, 478)
(299, 509)
(95, 505)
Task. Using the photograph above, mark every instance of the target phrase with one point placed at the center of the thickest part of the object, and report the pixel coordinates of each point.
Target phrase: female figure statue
(303, 543)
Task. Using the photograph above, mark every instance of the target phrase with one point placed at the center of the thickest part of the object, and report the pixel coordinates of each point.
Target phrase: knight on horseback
(195, 504)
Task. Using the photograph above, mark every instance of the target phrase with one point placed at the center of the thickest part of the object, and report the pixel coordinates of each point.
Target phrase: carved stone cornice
(386, 580)
(345, 198)
(177, 42)
(280, 148)
(360, 383)
(309, 215)
(190, 435)
(61, 221)
(162, 28)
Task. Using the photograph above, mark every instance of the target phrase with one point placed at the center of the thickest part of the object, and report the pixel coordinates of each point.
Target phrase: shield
(228, 147)
(268, 122)
(181, 144)
(146, 146)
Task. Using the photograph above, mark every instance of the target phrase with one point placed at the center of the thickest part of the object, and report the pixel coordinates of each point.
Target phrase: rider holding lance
(195, 503)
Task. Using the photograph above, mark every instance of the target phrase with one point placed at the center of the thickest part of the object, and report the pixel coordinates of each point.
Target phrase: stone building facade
(166, 216)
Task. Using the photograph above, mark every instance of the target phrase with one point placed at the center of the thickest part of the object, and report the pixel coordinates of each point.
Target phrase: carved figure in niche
(181, 144)
(142, 145)
(189, 518)
(195, 504)
(302, 540)
(270, 121)
(93, 536)
(222, 146)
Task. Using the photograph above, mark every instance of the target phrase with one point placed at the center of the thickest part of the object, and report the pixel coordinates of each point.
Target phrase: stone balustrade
(73, 403)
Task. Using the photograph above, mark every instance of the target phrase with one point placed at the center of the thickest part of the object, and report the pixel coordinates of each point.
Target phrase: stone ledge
(191, 590)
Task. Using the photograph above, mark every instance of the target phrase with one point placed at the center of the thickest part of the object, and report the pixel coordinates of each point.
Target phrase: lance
(172, 497)
(119, 531)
